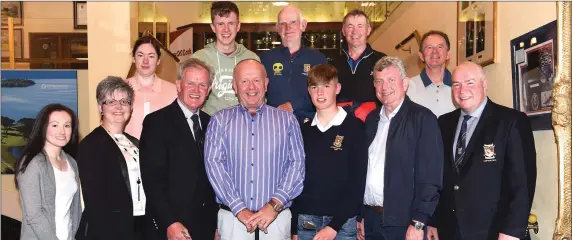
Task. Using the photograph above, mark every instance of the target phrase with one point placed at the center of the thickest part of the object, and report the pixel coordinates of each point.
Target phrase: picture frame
(476, 32)
(533, 65)
(18, 43)
(13, 9)
(80, 15)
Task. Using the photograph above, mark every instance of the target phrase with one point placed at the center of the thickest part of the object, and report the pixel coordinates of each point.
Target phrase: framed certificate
(80, 15)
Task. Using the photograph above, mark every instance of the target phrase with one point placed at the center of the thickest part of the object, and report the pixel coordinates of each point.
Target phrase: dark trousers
(375, 231)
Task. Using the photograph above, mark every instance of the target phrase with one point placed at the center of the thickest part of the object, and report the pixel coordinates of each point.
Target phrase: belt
(375, 208)
(224, 207)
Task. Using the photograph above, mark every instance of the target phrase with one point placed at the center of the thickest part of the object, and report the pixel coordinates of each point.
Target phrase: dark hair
(37, 138)
(355, 13)
(223, 9)
(146, 39)
(322, 74)
(435, 32)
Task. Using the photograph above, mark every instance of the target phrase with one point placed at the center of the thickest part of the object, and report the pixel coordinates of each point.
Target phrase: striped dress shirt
(252, 158)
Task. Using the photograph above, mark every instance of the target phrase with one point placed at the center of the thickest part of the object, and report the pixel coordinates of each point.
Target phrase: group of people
(240, 149)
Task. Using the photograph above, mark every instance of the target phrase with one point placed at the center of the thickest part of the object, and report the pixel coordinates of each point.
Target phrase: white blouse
(131, 155)
(66, 188)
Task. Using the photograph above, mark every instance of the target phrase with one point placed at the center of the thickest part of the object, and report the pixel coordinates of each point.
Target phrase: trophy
(335, 44)
(325, 37)
(312, 40)
(258, 42)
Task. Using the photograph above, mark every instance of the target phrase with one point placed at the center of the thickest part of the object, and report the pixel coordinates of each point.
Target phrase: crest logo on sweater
(277, 67)
(337, 145)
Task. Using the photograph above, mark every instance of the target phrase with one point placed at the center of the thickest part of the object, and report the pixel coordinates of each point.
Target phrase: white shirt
(131, 155)
(438, 99)
(336, 121)
(376, 160)
(188, 115)
(66, 188)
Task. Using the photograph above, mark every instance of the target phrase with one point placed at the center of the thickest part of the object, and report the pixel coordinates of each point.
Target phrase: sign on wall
(24, 94)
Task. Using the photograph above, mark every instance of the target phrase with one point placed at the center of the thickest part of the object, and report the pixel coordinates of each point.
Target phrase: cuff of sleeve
(514, 232)
(281, 196)
(336, 223)
(420, 217)
(236, 206)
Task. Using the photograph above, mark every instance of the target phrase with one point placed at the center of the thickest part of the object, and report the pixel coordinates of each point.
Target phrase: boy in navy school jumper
(336, 165)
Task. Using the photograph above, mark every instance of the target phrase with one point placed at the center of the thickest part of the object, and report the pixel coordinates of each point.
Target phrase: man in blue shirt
(287, 67)
(254, 158)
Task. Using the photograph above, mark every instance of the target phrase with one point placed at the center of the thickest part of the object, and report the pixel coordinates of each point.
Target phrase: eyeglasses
(113, 102)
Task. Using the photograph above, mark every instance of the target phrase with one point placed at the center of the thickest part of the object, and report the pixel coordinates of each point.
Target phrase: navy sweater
(336, 171)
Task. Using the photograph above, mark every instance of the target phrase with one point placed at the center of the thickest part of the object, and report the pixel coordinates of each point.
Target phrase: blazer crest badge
(490, 154)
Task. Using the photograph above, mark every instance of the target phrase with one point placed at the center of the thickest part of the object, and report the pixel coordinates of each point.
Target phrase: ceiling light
(280, 3)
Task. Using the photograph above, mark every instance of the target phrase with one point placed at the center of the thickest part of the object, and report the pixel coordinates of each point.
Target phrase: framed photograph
(12, 9)
(80, 15)
(18, 43)
(476, 32)
(533, 58)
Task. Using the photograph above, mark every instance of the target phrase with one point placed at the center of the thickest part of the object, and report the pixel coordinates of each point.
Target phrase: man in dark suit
(405, 160)
(489, 172)
(179, 195)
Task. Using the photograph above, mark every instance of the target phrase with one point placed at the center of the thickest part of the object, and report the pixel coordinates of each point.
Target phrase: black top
(336, 168)
(357, 80)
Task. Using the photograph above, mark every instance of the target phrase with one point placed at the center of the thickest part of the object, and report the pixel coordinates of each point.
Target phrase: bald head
(250, 83)
(290, 25)
(469, 86)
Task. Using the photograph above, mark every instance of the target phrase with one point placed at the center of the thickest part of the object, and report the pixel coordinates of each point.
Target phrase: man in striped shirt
(254, 156)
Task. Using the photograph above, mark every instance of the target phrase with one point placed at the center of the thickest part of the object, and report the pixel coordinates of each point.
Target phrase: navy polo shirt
(288, 78)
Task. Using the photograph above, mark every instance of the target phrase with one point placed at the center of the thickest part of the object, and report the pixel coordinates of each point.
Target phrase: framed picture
(533, 58)
(12, 9)
(476, 32)
(80, 15)
(18, 42)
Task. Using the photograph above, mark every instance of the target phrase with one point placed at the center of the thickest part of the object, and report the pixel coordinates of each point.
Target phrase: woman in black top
(336, 165)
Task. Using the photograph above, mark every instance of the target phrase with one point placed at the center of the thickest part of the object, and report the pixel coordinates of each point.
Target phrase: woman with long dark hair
(47, 177)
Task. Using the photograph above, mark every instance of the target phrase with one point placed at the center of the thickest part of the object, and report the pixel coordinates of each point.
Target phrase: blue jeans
(347, 232)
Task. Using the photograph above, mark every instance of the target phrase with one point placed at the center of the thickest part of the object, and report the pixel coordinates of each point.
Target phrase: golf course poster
(24, 94)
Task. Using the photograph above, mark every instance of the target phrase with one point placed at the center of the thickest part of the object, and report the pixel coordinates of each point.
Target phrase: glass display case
(260, 37)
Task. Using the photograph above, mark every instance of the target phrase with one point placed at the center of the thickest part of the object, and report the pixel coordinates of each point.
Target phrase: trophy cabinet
(325, 37)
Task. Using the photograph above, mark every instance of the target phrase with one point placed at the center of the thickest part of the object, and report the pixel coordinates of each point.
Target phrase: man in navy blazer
(405, 160)
(489, 173)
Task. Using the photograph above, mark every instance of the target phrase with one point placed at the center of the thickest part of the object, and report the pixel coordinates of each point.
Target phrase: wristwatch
(417, 225)
(276, 206)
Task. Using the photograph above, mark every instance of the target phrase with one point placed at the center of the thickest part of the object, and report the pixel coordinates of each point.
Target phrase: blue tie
(460, 149)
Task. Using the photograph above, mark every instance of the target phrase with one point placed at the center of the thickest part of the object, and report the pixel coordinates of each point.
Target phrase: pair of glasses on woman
(113, 102)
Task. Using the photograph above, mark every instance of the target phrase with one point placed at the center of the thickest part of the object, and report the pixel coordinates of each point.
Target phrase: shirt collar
(260, 108)
(336, 121)
(157, 82)
(478, 112)
(392, 114)
(427, 81)
(186, 111)
(368, 51)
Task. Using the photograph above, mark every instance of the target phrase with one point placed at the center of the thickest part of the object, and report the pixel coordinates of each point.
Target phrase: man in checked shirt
(254, 157)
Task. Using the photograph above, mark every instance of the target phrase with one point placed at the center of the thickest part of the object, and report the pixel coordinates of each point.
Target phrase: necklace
(132, 151)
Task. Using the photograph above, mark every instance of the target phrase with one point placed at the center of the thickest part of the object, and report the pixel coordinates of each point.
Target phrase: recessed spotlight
(280, 4)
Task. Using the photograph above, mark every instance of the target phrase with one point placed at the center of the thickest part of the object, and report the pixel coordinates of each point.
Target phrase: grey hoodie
(222, 94)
